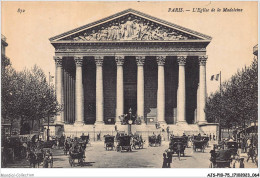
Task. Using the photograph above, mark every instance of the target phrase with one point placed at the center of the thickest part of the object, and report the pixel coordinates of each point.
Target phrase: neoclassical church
(131, 60)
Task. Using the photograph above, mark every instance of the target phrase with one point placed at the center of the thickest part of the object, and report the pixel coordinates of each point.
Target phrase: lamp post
(130, 121)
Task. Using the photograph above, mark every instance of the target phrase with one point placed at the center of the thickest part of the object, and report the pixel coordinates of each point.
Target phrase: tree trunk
(32, 126)
(21, 125)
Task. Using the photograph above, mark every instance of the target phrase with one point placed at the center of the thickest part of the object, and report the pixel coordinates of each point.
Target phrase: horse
(39, 158)
(48, 159)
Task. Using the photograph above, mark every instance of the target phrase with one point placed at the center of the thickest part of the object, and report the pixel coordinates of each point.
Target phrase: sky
(29, 25)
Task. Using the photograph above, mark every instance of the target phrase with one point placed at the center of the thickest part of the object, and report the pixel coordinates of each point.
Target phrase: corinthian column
(181, 98)
(202, 89)
(161, 90)
(79, 98)
(99, 90)
(119, 88)
(59, 87)
(140, 86)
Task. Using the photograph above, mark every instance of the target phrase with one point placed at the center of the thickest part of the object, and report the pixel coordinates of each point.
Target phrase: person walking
(169, 158)
(164, 161)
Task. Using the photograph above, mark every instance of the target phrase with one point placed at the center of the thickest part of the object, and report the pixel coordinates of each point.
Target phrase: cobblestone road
(148, 157)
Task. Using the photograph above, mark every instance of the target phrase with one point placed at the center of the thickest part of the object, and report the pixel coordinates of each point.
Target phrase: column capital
(140, 60)
(160, 60)
(181, 60)
(203, 60)
(78, 60)
(99, 60)
(58, 60)
(119, 60)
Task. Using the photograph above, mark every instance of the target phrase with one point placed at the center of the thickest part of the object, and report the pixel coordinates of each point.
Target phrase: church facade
(130, 60)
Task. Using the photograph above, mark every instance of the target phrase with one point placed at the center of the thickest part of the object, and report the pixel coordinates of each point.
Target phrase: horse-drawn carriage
(233, 147)
(86, 139)
(109, 142)
(38, 156)
(221, 159)
(124, 143)
(154, 140)
(185, 140)
(206, 140)
(76, 152)
(200, 142)
(138, 141)
(177, 145)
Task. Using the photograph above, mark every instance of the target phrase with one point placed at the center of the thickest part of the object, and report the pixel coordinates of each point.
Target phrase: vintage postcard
(115, 84)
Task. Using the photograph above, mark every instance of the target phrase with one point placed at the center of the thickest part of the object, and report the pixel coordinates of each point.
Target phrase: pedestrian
(251, 153)
(214, 137)
(164, 161)
(241, 165)
(210, 137)
(169, 158)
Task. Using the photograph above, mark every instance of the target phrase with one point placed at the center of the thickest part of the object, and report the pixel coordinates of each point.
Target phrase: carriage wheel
(179, 155)
(120, 149)
(211, 165)
(183, 154)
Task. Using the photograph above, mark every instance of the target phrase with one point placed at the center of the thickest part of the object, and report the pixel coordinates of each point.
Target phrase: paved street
(149, 157)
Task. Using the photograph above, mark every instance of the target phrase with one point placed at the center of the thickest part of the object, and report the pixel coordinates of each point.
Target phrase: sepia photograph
(129, 84)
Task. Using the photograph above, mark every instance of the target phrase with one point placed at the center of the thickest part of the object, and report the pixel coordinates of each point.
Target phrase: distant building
(5, 60)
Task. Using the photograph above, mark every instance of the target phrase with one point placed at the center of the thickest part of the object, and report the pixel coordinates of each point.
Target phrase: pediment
(130, 25)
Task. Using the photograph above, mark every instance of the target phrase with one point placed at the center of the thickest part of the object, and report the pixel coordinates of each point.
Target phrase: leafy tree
(237, 104)
(26, 95)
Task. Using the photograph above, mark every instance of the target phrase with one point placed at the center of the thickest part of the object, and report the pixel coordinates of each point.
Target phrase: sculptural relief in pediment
(130, 28)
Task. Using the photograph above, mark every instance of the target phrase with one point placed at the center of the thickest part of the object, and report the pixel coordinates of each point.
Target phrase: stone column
(202, 89)
(161, 90)
(181, 98)
(79, 96)
(59, 87)
(119, 88)
(99, 90)
(198, 104)
(140, 86)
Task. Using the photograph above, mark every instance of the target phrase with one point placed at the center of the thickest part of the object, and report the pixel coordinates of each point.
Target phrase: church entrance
(130, 85)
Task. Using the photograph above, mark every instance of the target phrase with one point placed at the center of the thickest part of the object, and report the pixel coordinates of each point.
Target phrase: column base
(181, 123)
(99, 123)
(78, 123)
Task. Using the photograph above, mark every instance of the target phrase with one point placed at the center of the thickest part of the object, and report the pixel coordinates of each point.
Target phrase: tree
(26, 95)
(237, 104)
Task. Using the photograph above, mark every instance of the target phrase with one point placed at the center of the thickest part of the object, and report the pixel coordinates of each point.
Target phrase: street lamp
(130, 121)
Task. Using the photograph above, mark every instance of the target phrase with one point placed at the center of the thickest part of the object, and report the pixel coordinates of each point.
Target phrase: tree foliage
(26, 95)
(237, 103)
